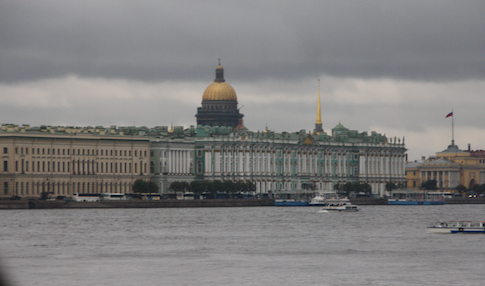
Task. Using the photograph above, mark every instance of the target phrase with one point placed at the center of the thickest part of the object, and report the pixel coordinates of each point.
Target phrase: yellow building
(67, 160)
(449, 168)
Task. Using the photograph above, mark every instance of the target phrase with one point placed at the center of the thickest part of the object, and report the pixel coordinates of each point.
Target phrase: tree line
(142, 186)
(355, 187)
(213, 187)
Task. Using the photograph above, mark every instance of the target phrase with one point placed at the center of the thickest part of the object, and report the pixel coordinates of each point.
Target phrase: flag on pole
(449, 115)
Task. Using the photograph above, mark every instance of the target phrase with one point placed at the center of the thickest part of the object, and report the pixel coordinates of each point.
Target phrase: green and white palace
(278, 162)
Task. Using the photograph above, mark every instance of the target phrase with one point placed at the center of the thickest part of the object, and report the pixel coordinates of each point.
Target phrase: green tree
(338, 188)
(460, 188)
(140, 186)
(208, 187)
(239, 186)
(197, 187)
(390, 186)
(367, 189)
(348, 188)
(429, 185)
(229, 187)
(218, 186)
(250, 187)
(179, 187)
(152, 187)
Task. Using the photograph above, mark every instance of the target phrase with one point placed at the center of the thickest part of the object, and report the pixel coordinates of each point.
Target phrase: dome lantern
(219, 73)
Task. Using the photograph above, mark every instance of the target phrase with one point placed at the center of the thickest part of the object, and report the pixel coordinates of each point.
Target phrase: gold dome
(219, 91)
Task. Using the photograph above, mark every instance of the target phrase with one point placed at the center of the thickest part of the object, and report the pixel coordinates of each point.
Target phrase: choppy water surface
(381, 245)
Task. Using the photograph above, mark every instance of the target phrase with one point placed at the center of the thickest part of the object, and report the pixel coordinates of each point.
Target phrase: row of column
(179, 162)
(444, 179)
(241, 162)
(379, 165)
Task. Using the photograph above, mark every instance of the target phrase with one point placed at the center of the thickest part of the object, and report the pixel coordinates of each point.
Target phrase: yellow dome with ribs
(219, 91)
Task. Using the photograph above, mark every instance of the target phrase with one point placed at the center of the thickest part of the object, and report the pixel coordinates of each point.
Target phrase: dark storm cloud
(179, 40)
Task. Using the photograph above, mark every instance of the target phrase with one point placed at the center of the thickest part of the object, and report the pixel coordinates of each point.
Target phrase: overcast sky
(394, 67)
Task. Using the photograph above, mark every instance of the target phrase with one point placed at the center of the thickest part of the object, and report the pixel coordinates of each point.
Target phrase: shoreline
(41, 204)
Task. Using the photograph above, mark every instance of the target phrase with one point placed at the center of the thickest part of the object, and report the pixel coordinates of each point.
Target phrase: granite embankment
(61, 204)
(41, 204)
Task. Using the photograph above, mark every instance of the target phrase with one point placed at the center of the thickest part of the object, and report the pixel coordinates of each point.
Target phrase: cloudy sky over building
(395, 67)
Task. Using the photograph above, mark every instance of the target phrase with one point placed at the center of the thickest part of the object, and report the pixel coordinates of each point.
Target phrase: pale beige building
(67, 160)
(450, 168)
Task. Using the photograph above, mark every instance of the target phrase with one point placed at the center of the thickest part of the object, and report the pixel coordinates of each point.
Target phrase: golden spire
(319, 111)
(318, 124)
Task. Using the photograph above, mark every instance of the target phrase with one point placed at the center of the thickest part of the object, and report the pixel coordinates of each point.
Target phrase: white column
(449, 180)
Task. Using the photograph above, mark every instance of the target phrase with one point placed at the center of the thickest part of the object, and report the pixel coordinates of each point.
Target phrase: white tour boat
(458, 227)
(341, 205)
(322, 198)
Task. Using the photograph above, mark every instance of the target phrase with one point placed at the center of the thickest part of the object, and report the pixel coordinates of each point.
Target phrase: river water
(380, 245)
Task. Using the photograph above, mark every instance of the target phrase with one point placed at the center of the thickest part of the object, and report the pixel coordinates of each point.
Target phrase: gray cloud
(395, 67)
(178, 40)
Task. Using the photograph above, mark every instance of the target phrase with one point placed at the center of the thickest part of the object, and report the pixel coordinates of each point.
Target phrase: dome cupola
(219, 89)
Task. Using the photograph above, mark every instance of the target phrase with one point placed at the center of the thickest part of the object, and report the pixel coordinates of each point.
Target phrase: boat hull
(446, 230)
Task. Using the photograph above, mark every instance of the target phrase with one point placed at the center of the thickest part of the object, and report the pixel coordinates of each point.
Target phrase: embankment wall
(40, 204)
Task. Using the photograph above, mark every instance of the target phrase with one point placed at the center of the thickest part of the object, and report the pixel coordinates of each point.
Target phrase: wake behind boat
(458, 227)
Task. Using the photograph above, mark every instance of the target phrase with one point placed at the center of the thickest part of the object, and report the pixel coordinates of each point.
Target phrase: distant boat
(322, 197)
(458, 227)
(340, 205)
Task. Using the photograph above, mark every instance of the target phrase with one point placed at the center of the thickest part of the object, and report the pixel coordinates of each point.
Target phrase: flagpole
(452, 128)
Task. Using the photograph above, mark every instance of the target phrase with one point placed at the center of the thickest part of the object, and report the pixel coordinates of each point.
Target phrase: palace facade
(67, 160)
(278, 162)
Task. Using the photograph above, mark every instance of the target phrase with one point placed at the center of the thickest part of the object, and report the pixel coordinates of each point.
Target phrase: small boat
(319, 200)
(458, 227)
(322, 197)
(341, 205)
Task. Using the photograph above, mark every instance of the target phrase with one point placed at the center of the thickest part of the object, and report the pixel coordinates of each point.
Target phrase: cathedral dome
(219, 91)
